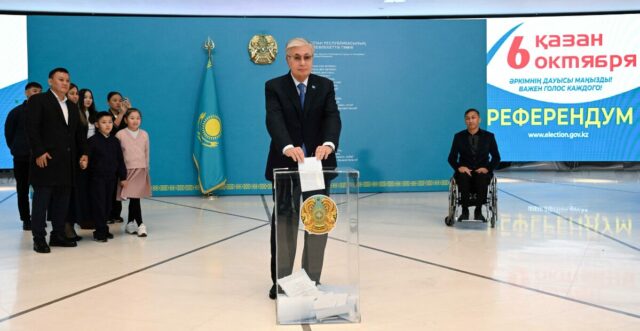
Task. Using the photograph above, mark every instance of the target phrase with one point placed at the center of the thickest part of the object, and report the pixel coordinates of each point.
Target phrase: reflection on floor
(565, 255)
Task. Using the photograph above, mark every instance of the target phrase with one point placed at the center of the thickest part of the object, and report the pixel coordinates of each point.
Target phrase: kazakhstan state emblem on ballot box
(319, 214)
(263, 49)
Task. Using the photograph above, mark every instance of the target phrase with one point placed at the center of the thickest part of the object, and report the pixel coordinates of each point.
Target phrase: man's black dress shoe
(74, 237)
(100, 237)
(40, 245)
(464, 216)
(477, 215)
(61, 242)
(70, 233)
(272, 293)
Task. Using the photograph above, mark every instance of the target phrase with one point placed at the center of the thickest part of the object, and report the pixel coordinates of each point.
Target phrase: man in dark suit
(303, 121)
(15, 132)
(469, 158)
(56, 143)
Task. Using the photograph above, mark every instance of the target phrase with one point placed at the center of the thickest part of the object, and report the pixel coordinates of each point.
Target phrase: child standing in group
(135, 148)
(106, 166)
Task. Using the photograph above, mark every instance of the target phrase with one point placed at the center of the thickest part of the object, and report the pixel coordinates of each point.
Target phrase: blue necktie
(301, 89)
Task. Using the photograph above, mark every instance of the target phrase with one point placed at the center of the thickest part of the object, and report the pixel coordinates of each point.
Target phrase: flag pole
(209, 46)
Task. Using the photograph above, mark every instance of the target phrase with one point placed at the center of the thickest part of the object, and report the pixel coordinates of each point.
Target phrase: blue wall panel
(404, 84)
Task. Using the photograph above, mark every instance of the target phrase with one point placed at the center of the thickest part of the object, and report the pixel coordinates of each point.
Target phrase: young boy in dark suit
(105, 168)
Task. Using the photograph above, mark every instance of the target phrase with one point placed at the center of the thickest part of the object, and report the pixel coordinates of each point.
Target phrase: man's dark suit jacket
(461, 155)
(48, 132)
(289, 124)
(15, 132)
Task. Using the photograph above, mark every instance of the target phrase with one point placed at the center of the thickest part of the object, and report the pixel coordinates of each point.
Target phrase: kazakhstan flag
(207, 145)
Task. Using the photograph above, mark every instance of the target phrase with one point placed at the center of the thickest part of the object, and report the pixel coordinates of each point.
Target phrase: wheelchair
(455, 202)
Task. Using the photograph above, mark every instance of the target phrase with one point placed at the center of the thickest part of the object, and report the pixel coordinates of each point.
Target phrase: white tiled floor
(565, 255)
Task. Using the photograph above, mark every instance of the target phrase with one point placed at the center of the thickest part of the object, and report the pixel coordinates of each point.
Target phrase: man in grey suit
(57, 146)
(303, 121)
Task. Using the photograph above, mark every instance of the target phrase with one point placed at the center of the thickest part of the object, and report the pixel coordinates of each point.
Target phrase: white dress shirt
(63, 105)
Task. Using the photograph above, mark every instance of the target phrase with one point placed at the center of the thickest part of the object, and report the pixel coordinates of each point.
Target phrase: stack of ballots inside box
(303, 301)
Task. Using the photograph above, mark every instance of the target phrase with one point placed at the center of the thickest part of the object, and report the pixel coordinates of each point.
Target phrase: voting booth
(317, 272)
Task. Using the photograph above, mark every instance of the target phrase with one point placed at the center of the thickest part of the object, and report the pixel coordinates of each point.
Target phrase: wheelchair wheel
(449, 220)
(494, 202)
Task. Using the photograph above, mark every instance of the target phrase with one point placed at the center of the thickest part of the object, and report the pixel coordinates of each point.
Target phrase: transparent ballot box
(316, 227)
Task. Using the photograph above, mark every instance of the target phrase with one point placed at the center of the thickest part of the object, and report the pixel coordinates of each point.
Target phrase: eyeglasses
(298, 58)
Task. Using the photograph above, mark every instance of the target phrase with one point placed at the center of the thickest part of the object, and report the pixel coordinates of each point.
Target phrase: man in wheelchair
(473, 156)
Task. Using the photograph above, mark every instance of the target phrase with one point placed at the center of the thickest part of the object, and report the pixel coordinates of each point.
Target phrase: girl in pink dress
(135, 149)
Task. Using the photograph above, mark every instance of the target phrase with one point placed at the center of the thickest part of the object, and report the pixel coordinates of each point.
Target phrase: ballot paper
(295, 310)
(298, 284)
(336, 303)
(331, 304)
(311, 176)
(305, 302)
(330, 300)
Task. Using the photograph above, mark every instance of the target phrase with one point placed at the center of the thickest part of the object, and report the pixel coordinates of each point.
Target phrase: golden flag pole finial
(209, 46)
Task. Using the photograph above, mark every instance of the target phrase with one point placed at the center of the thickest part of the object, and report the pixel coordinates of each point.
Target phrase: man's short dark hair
(112, 93)
(470, 110)
(33, 84)
(53, 72)
(102, 114)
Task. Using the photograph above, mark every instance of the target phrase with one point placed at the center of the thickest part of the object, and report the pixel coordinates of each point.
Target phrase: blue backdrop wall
(402, 87)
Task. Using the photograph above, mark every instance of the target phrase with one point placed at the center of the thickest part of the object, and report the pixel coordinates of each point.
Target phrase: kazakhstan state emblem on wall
(319, 214)
(263, 49)
(209, 130)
